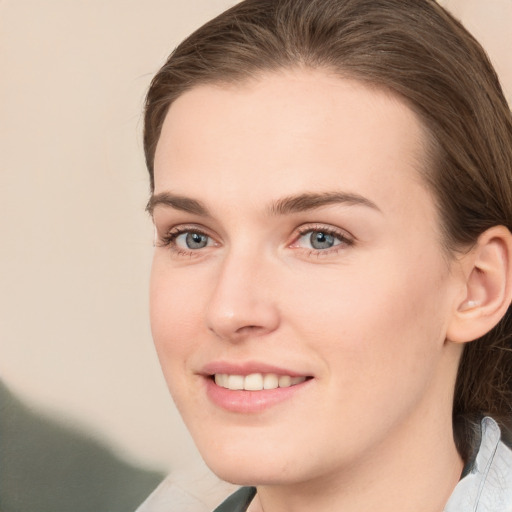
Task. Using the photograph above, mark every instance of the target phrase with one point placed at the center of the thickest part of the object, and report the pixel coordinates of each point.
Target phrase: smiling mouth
(256, 381)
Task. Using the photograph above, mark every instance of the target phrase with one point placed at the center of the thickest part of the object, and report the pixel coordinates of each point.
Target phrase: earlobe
(487, 287)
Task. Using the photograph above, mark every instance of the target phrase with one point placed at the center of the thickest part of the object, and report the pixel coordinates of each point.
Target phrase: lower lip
(250, 401)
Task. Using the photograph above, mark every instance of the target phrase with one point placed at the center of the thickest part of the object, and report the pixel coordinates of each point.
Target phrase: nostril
(249, 328)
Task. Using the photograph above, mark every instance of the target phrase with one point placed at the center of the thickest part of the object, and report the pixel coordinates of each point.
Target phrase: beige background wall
(75, 241)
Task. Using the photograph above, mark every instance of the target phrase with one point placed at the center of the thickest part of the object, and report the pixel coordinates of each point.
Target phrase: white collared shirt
(488, 486)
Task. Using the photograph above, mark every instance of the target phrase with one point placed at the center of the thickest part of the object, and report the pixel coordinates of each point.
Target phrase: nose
(242, 304)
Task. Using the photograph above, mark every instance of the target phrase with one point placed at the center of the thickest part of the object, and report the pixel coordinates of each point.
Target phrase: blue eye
(321, 239)
(187, 241)
(192, 240)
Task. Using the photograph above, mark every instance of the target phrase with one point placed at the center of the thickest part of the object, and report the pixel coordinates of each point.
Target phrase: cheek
(175, 305)
(377, 315)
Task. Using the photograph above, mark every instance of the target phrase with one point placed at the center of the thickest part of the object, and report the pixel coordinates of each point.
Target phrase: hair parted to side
(417, 50)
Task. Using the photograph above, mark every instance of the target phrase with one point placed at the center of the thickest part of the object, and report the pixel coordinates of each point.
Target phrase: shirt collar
(488, 485)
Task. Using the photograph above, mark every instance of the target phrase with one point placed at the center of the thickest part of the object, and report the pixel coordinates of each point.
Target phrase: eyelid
(168, 239)
(346, 238)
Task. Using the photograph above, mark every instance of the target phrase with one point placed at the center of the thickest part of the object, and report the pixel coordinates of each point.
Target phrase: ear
(487, 288)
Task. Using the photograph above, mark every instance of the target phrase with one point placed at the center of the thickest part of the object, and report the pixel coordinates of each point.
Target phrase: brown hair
(420, 52)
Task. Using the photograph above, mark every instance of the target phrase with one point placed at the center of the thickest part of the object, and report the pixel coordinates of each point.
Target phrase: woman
(331, 191)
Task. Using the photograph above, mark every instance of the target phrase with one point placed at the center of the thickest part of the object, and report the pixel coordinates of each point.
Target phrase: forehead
(286, 133)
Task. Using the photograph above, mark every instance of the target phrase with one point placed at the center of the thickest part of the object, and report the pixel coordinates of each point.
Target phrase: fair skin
(296, 238)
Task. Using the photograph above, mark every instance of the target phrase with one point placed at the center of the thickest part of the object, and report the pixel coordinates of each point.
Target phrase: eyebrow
(310, 201)
(185, 204)
(284, 206)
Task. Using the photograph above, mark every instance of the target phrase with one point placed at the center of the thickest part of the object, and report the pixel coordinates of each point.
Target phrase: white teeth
(285, 381)
(235, 382)
(221, 379)
(253, 382)
(270, 381)
(256, 381)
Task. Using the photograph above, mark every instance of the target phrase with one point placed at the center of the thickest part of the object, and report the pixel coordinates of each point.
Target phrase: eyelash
(342, 236)
(169, 240)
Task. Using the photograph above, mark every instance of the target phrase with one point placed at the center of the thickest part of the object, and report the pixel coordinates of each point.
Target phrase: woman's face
(299, 250)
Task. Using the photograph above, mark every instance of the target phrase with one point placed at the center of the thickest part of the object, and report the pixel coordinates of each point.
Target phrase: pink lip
(246, 369)
(249, 402)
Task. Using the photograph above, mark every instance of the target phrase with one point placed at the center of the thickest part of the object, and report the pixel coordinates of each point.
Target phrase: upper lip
(247, 368)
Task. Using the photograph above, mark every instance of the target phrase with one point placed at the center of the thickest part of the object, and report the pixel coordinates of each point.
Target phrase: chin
(228, 474)
(247, 467)
(246, 473)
